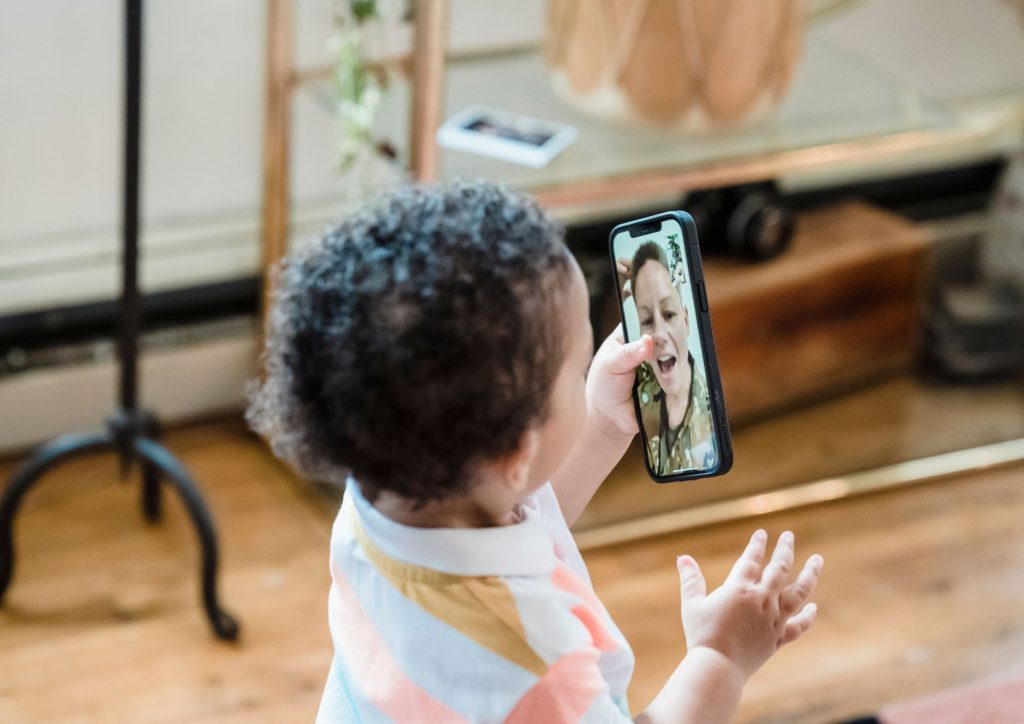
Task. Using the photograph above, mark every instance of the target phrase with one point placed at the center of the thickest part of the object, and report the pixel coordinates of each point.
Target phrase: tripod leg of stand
(224, 625)
(63, 448)
(152, 505)
(151, 499)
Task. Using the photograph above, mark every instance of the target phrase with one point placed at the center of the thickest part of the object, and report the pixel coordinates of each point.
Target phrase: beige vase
(692, 64)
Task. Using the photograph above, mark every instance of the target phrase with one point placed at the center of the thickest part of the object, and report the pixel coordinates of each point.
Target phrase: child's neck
(475, 509)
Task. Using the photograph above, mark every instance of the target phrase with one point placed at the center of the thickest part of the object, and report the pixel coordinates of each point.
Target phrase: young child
(433, 352)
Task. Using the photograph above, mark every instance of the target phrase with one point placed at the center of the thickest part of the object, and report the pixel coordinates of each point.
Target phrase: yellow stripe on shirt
(481, 607)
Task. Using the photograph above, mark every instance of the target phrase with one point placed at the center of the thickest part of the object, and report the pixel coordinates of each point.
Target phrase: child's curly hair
(418, 338)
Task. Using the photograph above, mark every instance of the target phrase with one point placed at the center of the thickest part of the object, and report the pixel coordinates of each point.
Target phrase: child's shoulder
(508, 589)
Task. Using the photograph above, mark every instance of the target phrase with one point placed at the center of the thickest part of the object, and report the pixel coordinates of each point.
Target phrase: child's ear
(519, 463)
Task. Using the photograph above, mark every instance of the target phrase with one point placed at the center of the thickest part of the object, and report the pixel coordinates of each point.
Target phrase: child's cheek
(580, 408)
(574, 414)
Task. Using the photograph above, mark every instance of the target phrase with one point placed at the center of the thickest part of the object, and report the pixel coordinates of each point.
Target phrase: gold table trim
(888, 477)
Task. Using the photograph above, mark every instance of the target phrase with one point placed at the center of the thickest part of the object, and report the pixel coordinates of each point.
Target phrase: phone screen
(672, 390)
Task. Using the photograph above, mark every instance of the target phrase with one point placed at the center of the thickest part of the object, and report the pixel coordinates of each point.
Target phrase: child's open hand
(754, 612)
(610, 381)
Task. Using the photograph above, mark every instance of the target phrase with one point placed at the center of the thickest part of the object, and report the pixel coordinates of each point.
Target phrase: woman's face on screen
(663, 316)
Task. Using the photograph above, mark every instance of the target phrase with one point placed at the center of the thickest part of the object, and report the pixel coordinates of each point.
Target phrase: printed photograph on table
(505, 135)
(673, 391)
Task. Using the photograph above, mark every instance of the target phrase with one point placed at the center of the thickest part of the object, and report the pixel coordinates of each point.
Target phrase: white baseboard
(176, 384)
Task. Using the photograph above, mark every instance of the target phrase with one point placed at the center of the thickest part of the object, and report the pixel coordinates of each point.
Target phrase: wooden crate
(839, 309)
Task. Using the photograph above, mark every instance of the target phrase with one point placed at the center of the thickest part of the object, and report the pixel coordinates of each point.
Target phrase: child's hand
(754, 612)
(610, 382)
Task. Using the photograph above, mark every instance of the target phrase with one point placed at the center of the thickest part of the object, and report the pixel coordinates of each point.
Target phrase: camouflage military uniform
(693, 446)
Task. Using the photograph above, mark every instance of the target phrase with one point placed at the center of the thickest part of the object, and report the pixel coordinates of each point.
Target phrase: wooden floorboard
(102, 621)
(923, 588)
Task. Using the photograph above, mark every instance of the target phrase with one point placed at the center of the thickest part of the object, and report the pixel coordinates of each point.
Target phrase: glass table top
(836, 96)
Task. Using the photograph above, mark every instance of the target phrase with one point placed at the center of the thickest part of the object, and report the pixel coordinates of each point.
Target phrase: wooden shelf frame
(282, 78)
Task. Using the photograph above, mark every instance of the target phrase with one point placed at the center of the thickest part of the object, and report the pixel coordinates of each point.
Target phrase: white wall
(957, 51)
(60, 125)
(61, 93)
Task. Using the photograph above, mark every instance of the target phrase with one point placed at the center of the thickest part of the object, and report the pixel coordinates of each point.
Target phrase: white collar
(521, 549)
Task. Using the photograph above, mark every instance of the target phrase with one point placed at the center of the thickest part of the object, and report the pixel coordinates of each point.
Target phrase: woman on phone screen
(672, 387)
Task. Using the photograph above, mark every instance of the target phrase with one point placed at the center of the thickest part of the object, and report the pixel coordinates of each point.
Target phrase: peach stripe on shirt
(565, 693)
(589, 612)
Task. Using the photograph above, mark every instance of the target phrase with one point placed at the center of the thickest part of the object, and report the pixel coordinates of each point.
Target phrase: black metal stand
(131, 432)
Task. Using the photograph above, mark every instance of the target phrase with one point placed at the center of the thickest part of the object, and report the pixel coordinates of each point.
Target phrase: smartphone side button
(702, 296)
(723, 423)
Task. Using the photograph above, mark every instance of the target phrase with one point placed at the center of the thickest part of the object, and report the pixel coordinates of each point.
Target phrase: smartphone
(678, 393)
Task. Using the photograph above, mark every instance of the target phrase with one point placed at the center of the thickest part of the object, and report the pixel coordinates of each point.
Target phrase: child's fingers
(692, 588)
(778, 568)
(625, 359)
(796, 594)
(749, 565)
(611, 343)
(641, 349)
(797, 626)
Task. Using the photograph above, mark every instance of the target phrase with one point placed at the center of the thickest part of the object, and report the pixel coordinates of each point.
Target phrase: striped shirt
(468, 624)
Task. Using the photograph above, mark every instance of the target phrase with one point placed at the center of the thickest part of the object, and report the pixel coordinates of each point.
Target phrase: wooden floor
(922, 589)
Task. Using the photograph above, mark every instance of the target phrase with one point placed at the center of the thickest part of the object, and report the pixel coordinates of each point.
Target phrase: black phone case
(721, 422)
